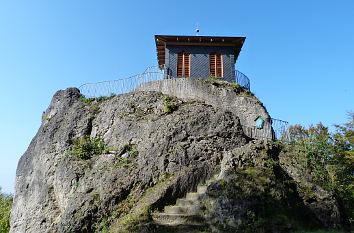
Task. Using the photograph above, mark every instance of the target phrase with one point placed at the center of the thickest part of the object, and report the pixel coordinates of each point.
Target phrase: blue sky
(299, 54)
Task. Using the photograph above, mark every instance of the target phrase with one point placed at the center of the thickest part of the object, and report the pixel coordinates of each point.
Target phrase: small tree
(327, 158)
(343, 163)
(5, 210)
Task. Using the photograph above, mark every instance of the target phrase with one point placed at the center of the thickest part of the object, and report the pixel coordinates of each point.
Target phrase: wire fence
(119, 86)
(242, 80)
(125, 85)
(280, 129)
(277, 129)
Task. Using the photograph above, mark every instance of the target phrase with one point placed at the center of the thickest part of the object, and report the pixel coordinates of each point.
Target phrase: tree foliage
(343, 162)
(328, 159)
(5, 209)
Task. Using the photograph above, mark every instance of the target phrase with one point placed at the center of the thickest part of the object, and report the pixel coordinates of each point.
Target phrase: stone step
(187, 209)
(172, 209)
(185, 202)
(201, 189)
(177, 219)
(181, 229)
(193, 196)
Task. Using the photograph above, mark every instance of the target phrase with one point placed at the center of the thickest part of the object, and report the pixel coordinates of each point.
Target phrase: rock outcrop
(57, 192)
(157, 149)
(254, 192)
(221, 94)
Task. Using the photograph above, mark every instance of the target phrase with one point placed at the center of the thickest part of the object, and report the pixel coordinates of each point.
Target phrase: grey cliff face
(179, 144)
(221, 95)
(57, 192)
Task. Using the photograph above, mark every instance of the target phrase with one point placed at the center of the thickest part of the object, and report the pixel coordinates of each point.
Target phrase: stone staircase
(186, 212)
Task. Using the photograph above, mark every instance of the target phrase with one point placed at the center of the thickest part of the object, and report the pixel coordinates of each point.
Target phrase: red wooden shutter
(180, 65)
(183, 65)
(186, 65)
(216, 66)
(219, 66)
(212, 62)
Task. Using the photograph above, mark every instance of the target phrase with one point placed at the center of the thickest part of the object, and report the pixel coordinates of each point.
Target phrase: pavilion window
(183, 64)
(216, 65)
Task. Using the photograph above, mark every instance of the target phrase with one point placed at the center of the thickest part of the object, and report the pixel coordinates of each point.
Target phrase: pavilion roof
(163, 40)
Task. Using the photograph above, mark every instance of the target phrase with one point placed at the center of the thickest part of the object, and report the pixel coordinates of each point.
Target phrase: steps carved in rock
(186, 211)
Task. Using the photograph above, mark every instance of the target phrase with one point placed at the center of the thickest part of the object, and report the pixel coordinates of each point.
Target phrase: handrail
(242, 80)
(129, 84)
(276, 130)
(118, 86)
(280, 129)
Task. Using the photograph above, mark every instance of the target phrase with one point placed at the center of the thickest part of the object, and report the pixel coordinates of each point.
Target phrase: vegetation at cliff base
(5, 209)
(327, 160)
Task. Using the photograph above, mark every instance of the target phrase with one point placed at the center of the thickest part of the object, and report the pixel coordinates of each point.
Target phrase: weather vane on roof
(197, 30)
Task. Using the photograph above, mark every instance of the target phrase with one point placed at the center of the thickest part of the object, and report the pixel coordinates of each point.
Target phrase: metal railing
(242, 80)
(278, 130)
(125, 85)
(119, 86)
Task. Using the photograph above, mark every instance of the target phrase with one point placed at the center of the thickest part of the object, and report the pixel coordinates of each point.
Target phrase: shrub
(169, 105)
(86, 147)
(99, 99)
(102, 98)
(86, 100)
(327, 158)
(102, 226)
(5, 209)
